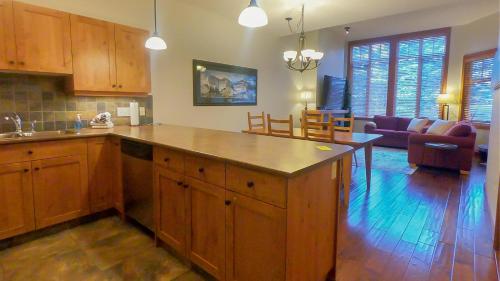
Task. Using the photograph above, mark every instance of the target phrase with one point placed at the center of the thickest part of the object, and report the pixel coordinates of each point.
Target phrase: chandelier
(303, 59)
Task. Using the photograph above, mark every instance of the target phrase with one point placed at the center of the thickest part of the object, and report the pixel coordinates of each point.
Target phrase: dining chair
(256, 122)
(322, 131)
(280, 127)
(340, 126)
(311, 115)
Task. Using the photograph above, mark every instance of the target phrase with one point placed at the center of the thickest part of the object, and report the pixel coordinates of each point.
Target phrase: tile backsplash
(43, 99)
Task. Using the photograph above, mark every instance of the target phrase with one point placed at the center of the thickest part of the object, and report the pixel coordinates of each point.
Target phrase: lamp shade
(308, 53)
(155, 43)
(253, 16)
(445, 98)
(306, 95)
(317, 56)
(290, 55)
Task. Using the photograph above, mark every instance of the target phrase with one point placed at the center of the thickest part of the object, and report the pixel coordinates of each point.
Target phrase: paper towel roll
(134, 114)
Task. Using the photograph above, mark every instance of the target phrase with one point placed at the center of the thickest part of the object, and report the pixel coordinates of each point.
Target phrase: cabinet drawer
(13, 153)
(53, 149)
(259, 185)
(170, 159)
(208, 170)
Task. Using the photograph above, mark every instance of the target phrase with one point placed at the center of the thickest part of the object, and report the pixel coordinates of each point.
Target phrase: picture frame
(217, 84)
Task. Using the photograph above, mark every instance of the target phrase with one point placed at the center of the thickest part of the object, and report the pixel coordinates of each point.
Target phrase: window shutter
(477, 95)
(369, 78)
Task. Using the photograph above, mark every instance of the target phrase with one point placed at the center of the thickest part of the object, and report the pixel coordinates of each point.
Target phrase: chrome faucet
(17, 122)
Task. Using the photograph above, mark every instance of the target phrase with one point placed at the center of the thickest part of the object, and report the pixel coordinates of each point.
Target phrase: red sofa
(392, 128)
(459, 159)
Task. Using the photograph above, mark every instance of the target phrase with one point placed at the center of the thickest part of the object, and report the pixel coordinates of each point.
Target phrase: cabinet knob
(120, 86)
(37, 169)
(166, 159)
(30, 152)
(12, 62)
(26, 170)
(114, 86)
(227, 202)
(21, 62)
(250, 184)
(179, 183)
(201, 170)
(185, 185)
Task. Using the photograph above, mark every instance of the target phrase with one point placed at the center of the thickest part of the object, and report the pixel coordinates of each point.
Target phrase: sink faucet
(17, 122)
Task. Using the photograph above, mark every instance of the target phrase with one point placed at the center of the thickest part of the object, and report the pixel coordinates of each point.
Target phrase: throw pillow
(440, 127)
(461, 129)
(417, 125)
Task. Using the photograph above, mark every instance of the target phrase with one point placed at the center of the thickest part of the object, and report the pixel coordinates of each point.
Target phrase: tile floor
(106, 249)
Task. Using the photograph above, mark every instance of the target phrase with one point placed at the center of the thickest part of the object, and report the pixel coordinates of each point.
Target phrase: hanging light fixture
(303, 59)
(253, 16)
(155, 42)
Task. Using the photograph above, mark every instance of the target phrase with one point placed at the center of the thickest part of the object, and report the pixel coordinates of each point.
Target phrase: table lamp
(444, 100)
(306, 96)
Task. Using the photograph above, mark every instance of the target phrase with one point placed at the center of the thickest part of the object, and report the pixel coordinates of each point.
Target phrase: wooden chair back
(256, 122)
(322, 131)
(342, 127)
(311, 115)
(280, 127)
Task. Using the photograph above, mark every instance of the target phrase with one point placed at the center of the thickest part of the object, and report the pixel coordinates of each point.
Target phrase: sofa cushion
(440, 127)
(417, 125)
(385, 122)
(461, 129)
(403, 123)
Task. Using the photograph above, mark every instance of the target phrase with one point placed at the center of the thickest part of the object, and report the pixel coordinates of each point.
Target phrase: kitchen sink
(7, 136)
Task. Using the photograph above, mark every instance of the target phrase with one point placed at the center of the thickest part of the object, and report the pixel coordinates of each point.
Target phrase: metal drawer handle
(37, 169)
(227, 202)
(185, 186)
(26, 170)
(166, 159)
(30, 152)
(250, 184)
(201, 170)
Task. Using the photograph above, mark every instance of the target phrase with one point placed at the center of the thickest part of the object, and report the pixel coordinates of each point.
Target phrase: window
(477, 92)
(399, 75)
(370, 74)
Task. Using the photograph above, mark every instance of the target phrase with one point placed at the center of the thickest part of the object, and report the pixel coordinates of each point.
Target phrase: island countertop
(278, 155)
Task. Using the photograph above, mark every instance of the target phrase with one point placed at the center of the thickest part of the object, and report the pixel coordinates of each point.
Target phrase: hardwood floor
(432, 225)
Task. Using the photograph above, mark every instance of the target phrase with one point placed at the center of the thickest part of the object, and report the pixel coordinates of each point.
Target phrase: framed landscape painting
(222, 84)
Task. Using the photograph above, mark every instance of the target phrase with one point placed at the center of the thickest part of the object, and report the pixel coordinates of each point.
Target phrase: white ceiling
(327, 13)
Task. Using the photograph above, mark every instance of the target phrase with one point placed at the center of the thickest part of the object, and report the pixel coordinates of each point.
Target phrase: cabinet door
(132, 60)
(100, 180)
(256, 237)
(117, 189)
(42, 39)
(93, 48)
(60, 188)
(7, 39)
(171, 196)
(16, 200)
(207, 223)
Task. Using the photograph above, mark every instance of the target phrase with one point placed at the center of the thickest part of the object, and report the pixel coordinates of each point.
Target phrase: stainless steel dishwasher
(137, 162)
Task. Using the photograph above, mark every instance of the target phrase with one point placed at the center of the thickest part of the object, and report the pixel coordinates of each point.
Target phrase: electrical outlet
(123, 111)
(142, 111)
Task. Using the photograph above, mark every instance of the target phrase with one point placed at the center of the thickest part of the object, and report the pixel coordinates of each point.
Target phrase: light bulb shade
(317, 56)
(306, 95)
(308, 53)
(290, 55)
(155, 43)
(445, 98)
(253, 16)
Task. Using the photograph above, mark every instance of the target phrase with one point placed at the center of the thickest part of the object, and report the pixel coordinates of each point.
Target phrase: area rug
(387, 159)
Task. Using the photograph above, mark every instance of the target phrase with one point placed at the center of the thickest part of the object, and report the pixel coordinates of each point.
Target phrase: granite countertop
(278, 155)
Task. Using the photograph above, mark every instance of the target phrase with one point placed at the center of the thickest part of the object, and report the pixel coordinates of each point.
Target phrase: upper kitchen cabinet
(93, 43)
(7, 38)
(132, 60)
(42, 39)
(109, 59)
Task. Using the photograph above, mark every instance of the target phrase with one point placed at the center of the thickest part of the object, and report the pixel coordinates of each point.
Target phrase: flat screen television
(333, 93)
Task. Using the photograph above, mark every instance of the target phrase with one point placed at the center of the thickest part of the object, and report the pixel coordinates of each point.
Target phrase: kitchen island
(241, 207)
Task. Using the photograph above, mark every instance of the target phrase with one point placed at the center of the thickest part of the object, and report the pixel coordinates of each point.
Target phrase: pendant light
(155, 42)
(253, 16)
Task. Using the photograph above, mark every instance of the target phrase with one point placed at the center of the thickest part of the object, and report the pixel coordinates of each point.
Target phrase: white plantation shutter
(419, 76)
(369, 78)
(477, 97)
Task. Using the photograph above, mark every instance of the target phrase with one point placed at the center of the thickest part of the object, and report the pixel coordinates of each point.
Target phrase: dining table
(353, 139)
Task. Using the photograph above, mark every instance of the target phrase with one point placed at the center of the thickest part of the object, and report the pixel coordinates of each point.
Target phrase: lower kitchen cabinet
(256, 239)
(16, 200)
(100, 178)
(170, 208)
(60, 188)
(206, 220)
(116, 175)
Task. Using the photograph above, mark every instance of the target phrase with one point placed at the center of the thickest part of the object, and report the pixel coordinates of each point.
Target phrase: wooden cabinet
(42, 39)
(60, 188)
(16, 199)
(206, 223)
(116, 176)
(100, 179)
(132, 60)
(7, 38)
(170, 208)
(256, 239)
(93, 47)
